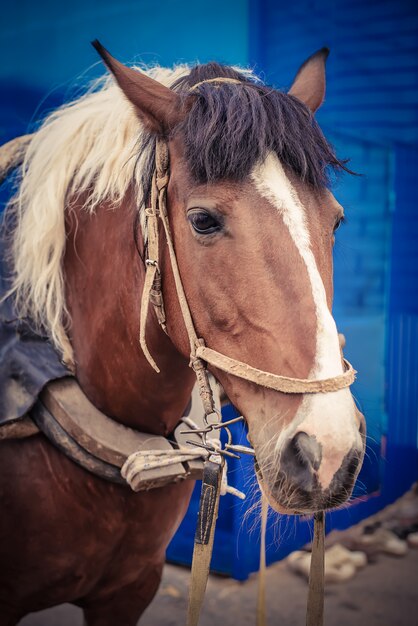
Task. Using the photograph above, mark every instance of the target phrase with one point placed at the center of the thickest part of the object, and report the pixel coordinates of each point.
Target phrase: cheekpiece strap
(152, 272)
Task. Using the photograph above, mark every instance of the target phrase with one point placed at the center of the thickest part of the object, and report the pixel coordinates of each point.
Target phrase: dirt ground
(385, 593)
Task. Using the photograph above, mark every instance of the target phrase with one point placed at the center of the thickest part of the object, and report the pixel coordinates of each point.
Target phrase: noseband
(200, 354)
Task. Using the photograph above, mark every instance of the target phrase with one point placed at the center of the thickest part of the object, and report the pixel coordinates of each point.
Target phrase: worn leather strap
(152, 270)
(261, 595)
(284, 384)
(205, 532)
(315, 606)
(219, 80)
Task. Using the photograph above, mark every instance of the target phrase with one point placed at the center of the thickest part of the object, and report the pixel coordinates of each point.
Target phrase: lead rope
(315, 604)
(261, 596)
(315, 607)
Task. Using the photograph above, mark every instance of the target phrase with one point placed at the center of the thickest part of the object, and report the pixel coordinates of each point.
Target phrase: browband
(221, 79)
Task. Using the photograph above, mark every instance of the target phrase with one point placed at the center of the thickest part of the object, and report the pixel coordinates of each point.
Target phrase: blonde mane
(89, 145)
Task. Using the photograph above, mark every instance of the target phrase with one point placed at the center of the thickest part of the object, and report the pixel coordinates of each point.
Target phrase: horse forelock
(231, 127)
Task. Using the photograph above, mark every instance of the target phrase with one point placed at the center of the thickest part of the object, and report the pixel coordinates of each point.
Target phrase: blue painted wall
(46, 52)
(46, 43)
(372, 88)
(402, 359)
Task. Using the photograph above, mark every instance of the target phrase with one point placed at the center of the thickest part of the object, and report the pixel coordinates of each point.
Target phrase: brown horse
(253, 226)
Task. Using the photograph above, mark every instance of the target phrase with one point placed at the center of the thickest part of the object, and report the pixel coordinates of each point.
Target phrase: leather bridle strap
(315, 606)
(205, 533)
(284, 384)
(152, 270)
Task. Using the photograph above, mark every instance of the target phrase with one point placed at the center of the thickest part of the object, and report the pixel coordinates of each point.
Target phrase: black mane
(231, 127)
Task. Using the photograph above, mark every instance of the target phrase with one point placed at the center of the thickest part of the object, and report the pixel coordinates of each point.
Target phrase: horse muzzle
(291, 477)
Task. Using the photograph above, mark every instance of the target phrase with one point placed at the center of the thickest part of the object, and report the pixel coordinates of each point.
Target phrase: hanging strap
(261, 596)
(315, 607)
(152, 269)
(315, 604)
(205, 532)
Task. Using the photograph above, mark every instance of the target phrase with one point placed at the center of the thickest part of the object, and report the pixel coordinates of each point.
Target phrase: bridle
(200, 356)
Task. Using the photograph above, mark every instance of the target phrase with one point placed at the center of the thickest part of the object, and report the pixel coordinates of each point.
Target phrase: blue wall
(402, 357)
(46, 52)
(372, 89)
(46, 43)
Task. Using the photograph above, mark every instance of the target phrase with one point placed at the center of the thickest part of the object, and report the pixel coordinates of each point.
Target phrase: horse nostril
(299, 459)
(307, 450)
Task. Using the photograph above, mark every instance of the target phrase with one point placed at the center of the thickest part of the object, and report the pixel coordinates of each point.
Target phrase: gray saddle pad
(27, 359)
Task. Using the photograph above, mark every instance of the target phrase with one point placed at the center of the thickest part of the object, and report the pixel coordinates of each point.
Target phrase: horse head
(253, 225)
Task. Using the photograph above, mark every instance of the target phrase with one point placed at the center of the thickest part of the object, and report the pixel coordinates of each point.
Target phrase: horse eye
(203, 222)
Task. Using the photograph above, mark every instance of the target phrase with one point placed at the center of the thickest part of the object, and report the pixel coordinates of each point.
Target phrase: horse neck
(104, 276)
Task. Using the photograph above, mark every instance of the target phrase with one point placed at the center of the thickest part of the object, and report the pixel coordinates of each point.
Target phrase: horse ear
(156, 105)
(309, 83)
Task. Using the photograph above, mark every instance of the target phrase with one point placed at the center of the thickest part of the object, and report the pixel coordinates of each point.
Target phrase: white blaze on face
(328, 417)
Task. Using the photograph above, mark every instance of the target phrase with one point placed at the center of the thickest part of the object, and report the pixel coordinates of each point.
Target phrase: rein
(200, 356)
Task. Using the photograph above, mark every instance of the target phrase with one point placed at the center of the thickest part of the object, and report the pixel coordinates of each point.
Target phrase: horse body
(254, 248)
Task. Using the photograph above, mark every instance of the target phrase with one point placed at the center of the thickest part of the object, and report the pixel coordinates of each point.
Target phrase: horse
(253, 223)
